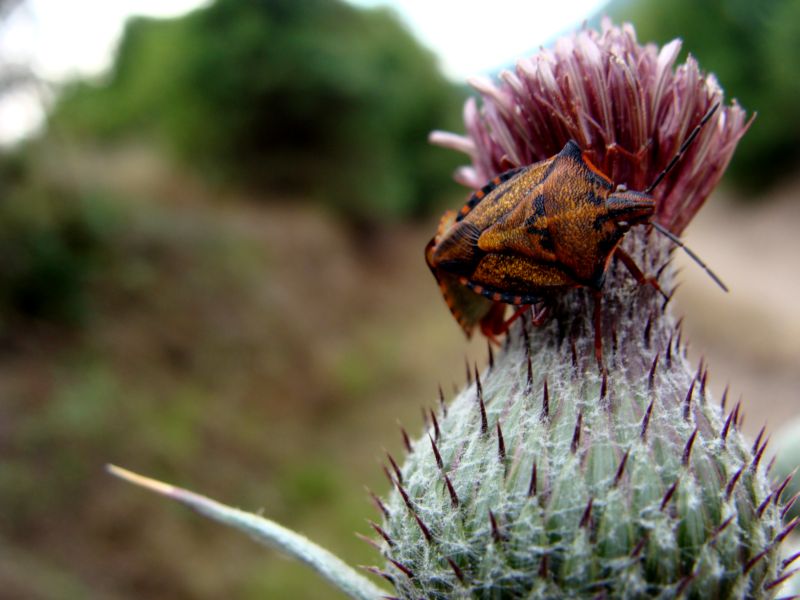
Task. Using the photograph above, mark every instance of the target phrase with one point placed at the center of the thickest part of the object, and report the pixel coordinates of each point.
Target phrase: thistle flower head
(626, 105)
(547, 477)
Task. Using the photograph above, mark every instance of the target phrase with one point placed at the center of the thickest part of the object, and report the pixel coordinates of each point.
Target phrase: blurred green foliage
(173, 372)
(307, 98)
(207, 359)
(752, 47)
(52, 241)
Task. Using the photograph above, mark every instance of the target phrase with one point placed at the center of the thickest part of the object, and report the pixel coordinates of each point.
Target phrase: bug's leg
(480, 194)
(539, 314)
(640, 277)
(493, 323)
(538, 318)
(636, 156)
(445, 223)
(598, 333)
(521, 310)
(506, 164)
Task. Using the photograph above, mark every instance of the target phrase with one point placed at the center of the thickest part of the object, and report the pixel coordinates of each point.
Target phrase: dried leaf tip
(545, 400)
(381, 532)
(758, 439)
(587, 514)
(687, 450)
(435, 422)
(437, 456)
(406, 440)
(426, 533)
(497, 535)
(646, 419)
(732, 483)
(501, 445)
(687, 403)
(576, 434)
(532, 486)
(529, 379)
(442, 403)
(668, 495)
(397, 472)
(404, 569)
(456, 570)
(651, 376)
(621, 468)
(454, 501)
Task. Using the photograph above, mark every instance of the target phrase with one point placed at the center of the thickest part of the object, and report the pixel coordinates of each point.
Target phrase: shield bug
(536, 230)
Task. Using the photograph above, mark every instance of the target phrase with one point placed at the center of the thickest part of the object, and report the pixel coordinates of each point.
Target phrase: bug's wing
(445, 223)
(553, 223)
(486, 190)
(457, 252)
(504, 195)
(467, 307)
(517, 279)
(523, 229)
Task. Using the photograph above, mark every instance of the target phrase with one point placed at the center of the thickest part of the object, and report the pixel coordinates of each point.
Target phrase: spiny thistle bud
(547, 477)
(787, 462)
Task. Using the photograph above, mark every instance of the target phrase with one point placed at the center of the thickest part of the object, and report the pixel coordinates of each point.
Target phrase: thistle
(548, 477)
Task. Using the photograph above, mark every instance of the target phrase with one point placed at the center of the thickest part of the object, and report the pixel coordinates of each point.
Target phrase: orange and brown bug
(537, 230)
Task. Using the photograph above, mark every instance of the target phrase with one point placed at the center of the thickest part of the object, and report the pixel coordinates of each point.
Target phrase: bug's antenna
(677, 241)
(686, 143)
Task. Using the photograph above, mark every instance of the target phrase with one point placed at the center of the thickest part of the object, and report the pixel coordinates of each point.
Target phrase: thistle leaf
(266, 532)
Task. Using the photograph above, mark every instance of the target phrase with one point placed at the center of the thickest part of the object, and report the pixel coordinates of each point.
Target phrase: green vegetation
(313, 98)
(236, 347)
(52, 242)
(751, 47)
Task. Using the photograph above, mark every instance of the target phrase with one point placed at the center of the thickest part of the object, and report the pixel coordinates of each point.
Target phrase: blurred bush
(52, 241)
(752, 48)
(313, 97)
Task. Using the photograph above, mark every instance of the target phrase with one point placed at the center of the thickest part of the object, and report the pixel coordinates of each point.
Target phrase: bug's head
(628, 208)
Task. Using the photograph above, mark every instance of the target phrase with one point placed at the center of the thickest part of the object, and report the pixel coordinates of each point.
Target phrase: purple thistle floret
(624, 103)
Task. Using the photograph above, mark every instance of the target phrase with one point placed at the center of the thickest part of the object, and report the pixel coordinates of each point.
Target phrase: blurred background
(212, 217)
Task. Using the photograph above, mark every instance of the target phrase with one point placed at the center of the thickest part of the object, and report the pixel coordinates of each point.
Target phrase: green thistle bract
(545, 477)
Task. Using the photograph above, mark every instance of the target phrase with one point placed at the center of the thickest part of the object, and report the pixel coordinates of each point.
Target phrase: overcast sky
(61, 38)
(477, 37)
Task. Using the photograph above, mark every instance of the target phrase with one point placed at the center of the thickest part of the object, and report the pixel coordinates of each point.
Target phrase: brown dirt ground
(751, 336)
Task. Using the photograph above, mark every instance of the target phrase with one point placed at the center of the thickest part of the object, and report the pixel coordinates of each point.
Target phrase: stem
(266, 532)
